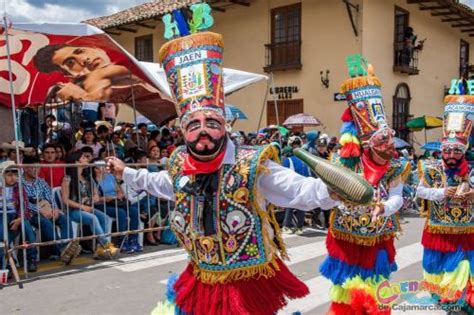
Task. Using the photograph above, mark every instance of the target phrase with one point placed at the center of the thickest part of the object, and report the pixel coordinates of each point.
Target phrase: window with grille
(284, 52)
(144, 48)
(405, 54)
(464, 60)
(401, 111)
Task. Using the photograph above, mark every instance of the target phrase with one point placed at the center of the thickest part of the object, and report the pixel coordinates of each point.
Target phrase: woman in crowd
(89, 139)
(79, 195)
(112, 201)
(60, 152)
(154, 140)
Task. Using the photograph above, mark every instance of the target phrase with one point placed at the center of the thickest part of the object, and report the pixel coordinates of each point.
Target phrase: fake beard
(207, 152)
(452, 163)
(385, 152)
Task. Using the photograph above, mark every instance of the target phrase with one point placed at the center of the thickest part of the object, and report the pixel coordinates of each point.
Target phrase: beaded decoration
(240, 248)
(353, 223)
(450, 215)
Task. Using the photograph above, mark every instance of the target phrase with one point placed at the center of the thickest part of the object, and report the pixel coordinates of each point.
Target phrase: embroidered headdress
(365, 114)
(458, 120)
(192, 61)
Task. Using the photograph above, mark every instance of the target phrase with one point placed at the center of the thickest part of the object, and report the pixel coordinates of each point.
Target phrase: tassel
(354, 83)
(349, 162)
(364, 303)
(347, 115)
(470, 294)
(348, 127)
(339, 272)
(266, 271)
(259, 296)
(170, 292)
(447, 242)
(361, 240)
(340, 309)
(436, 229)
(438, 262)
(360, 255)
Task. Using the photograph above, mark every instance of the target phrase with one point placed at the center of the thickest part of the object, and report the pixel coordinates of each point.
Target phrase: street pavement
(134, 283)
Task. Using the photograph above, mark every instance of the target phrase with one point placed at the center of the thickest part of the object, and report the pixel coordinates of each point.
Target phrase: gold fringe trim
(449, 229)
(406, 172)
(354, 83)
(358, 240)
(266, 270)
(361, 240)
(458, 98)
(425, 208)
(268, 215)
(193, 40)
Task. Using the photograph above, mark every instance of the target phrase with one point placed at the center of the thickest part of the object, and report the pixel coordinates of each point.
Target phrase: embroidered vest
(450, 215)
(353, 223)
(243, 245)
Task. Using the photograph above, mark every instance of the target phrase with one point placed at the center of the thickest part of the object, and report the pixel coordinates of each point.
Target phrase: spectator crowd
(67, 191)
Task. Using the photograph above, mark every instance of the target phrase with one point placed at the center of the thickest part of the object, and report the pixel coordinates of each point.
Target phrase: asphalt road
(134, 283)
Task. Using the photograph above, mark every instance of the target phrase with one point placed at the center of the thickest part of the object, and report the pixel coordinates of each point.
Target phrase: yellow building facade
(329, 30)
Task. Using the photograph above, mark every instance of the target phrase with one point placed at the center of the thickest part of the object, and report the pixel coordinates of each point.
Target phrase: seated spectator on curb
(112, 201)
(52, 175)
(11, 192)
(45, 214)
(148, 208)
(79, 195)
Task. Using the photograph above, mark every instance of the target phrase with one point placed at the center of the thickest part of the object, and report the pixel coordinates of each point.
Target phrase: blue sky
(72, 10)
(62, 10)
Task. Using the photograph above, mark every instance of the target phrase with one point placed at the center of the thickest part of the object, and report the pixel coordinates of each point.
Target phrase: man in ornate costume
(447, 192)
(360, 239)
(224, 196)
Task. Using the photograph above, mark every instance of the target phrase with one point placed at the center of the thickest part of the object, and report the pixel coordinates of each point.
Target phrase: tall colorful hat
(458, 117)
(365, 114)
(193, 61)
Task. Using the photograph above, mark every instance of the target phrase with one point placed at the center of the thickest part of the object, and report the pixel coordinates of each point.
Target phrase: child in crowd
(9, 189)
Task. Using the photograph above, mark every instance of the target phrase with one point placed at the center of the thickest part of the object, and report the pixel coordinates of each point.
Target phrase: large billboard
(76, 64)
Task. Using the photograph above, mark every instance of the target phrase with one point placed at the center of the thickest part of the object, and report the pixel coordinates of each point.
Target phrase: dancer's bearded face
(204, 133)
(382, 144)
(452, 157)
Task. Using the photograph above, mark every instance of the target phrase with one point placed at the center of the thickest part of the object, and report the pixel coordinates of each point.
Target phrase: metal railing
(405, 59)
(135, 206)
(283, 56)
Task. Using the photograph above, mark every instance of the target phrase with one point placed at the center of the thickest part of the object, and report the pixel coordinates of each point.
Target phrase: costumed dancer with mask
(446, 187)
(360, 241)
(224, 193)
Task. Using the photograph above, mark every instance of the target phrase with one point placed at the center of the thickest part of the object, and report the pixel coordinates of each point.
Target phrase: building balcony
(405, 59)
(282, 56)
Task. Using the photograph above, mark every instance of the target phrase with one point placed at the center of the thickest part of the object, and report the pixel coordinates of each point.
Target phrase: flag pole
(15, 130)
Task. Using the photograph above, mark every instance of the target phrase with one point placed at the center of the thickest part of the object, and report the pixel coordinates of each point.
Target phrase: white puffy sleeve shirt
(279, 186)
(427, 193)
